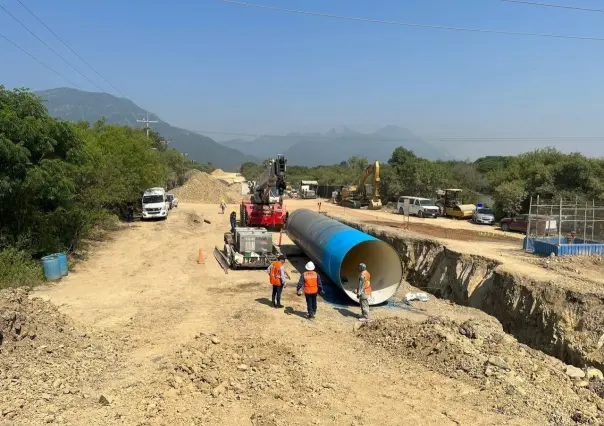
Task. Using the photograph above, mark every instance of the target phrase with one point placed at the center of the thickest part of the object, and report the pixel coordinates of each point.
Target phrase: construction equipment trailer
(265, 207)
(247, 248)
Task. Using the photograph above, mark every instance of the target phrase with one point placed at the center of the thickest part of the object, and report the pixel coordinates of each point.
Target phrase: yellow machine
(357, 196)
(451, 204)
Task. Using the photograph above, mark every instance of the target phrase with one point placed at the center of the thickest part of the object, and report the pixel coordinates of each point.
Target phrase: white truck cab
(308, 188)
(155, 204)
(422, 207)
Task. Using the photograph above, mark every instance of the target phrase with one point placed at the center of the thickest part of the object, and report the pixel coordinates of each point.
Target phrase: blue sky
(207, 65)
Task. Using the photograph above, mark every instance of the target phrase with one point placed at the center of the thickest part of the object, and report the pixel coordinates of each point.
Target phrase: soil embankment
(556, 318)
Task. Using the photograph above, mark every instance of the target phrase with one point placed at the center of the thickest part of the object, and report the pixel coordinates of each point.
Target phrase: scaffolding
(565, 227)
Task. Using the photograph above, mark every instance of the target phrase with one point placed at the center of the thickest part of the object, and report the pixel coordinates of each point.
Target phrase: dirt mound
(579, 266)
(45, 362)
(254, 376)
(483, 355)
(202, 188)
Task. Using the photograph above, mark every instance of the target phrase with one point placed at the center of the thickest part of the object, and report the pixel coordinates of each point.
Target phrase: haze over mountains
(302, 149)
(314, 149)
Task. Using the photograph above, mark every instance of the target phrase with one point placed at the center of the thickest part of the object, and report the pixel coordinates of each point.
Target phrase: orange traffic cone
(200, 258)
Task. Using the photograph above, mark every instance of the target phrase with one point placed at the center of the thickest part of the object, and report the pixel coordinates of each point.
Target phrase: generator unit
(247, 248)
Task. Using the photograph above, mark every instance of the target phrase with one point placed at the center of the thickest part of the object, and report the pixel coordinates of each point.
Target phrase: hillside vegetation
(509, 180)
(77, 105)
(59, 180)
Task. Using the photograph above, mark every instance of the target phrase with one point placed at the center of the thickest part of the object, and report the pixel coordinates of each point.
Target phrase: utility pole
(147, 121)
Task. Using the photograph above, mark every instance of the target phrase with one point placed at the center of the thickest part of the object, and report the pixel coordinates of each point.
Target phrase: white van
(155, 204)
(422, 207)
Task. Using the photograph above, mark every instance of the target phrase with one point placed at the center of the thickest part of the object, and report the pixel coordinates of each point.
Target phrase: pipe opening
(384, 265)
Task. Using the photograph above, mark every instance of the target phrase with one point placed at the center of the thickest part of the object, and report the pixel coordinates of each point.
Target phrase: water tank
(63, 263)
(52, 267)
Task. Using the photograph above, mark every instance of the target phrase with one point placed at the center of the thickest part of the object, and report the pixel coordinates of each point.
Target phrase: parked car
(155, 204)
(540, 224)
(517, 223)
(483, 215)
(422, 207)
(172, 200)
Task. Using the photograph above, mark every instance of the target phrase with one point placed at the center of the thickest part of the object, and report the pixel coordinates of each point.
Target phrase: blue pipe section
(325, 241)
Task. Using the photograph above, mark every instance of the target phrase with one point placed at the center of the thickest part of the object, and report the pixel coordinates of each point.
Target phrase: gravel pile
(202, 188)
(483, 355)
(254, 376)
(46, 364)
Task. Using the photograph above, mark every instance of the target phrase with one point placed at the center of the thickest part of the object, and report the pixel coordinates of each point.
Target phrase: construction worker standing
(233, 219)
(364, 291)
(311, 282)
(276, 273)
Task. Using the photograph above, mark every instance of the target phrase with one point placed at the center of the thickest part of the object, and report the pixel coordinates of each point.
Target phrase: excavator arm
(372, 170)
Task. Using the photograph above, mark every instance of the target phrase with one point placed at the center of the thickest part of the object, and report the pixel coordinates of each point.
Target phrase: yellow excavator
(357, 196)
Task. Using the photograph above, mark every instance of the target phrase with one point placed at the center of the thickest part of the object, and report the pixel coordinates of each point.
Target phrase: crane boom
(271, 184)
(265, 207)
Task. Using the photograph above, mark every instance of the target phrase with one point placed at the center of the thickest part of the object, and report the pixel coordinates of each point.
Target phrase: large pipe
(338, 249)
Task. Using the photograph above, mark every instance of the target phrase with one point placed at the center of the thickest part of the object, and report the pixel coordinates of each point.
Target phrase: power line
(72, 51)
(50, 48)
(373, 137)
(39, 61)
(558, 6)
(408, 24)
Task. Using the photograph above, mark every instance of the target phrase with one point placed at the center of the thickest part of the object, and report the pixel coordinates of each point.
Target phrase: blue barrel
(52, 267)
(63, 263)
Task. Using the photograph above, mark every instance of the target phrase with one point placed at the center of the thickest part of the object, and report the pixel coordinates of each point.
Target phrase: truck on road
(308, 189)
(155, 204)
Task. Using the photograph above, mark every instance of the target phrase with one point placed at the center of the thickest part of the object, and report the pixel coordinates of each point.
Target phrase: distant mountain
(72, 104)
(314, 149)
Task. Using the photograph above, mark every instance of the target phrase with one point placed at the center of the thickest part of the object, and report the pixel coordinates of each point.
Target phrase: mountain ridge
(77, 105)
(332, 147)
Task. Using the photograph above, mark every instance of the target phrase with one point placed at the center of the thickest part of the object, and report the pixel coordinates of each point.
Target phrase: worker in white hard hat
(364, 291)
(311, 283)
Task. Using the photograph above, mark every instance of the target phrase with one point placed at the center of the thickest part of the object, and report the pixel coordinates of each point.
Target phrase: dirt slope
(169, 341)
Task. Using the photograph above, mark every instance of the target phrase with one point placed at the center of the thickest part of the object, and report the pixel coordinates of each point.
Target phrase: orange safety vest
(366, 282)
(276, 273)
(311, 282)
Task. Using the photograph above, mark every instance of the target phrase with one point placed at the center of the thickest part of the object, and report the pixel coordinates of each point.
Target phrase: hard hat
(234, 211)
(362, 266)
(310, 266)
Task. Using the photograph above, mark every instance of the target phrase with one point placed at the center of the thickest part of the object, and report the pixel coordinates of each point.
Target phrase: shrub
(17, 269)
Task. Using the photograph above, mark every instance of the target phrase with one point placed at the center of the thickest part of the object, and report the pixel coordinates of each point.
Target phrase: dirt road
(429, 226)
(184, 344)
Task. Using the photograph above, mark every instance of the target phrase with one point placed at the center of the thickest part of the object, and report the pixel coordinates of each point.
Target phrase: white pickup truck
(155, 204)
(422, 207)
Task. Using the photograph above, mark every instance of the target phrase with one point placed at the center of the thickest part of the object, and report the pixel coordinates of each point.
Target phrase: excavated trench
(562, 323)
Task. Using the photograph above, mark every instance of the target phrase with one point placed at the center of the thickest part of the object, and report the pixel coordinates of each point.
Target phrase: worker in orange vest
(276, 273)
(310, 281)
(364, 291)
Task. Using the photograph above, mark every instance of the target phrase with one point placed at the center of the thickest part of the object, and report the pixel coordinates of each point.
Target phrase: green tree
(58, 178)
(510, 197)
